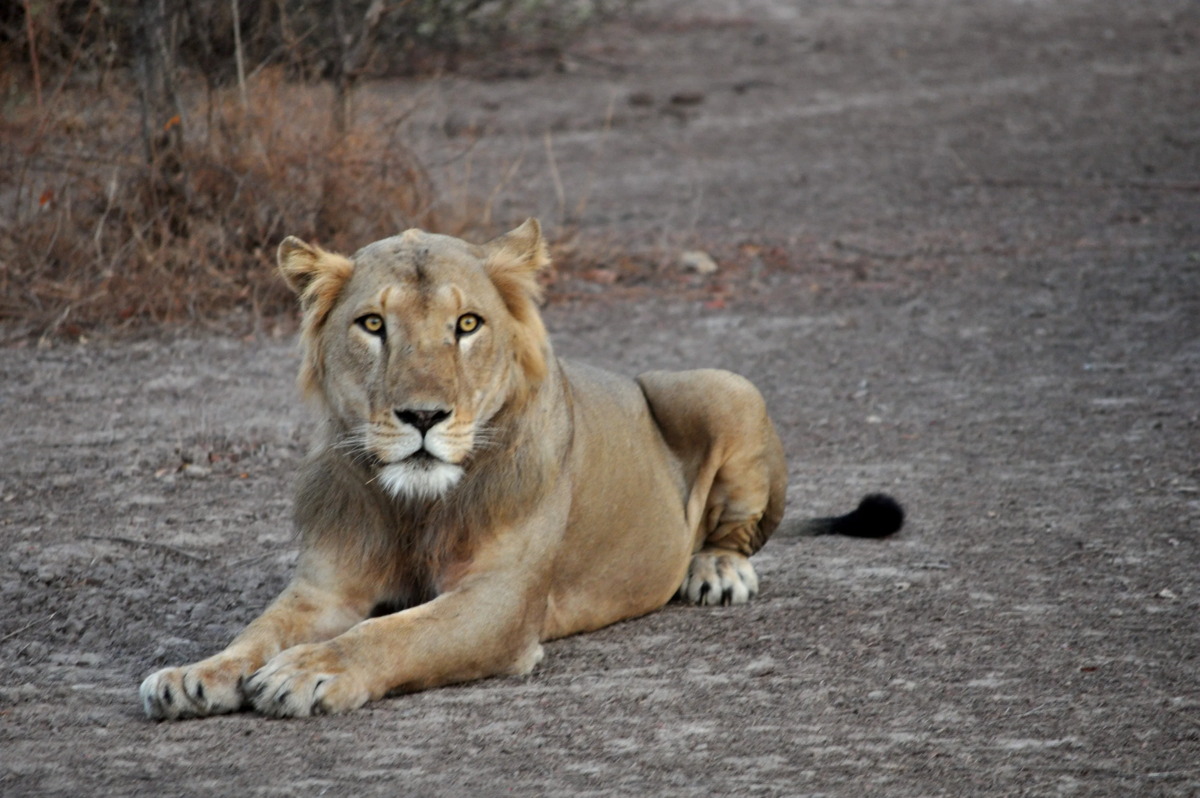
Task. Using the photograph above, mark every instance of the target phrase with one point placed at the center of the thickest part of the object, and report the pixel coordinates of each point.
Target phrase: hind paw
(719, 576)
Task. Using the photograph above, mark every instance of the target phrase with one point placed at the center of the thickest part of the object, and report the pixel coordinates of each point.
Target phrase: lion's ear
(512, 262)
(306, 267)
(317, 277)
(518, 255)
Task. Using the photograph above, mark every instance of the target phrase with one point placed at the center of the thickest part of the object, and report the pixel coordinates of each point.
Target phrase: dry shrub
(92, 235)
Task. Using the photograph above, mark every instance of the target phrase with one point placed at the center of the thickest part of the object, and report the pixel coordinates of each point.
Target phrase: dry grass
(93, 236)
(97, 234)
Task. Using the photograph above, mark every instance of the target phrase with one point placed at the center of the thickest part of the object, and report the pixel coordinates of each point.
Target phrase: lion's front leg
(487, 622)
(486, 627)
(304, 612)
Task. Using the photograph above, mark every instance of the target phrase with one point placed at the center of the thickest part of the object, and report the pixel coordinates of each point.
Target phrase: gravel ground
(960, 251)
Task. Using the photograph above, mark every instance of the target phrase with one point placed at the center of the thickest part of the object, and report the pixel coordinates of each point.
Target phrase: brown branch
(33, 59)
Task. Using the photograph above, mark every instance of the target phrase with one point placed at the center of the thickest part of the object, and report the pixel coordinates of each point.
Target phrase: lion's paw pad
(718, 576)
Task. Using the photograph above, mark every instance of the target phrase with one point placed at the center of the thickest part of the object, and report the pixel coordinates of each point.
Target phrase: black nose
(422, 419)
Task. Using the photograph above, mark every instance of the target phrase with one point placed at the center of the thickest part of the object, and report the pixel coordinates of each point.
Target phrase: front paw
(208, 687)
(306, 680)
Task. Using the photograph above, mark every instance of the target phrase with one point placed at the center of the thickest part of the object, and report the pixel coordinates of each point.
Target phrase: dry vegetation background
(155, 152)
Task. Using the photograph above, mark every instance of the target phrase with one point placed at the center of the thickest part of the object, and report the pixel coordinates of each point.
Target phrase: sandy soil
(961, 256)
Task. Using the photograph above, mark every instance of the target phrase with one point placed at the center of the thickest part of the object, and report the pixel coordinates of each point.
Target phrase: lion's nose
(423, 420)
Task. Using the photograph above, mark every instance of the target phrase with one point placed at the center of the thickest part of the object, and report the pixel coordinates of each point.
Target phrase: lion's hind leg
(716, 423)
(719, 576)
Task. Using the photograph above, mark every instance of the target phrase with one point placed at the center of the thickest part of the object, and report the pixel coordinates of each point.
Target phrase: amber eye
(372, 323)
(467, 324)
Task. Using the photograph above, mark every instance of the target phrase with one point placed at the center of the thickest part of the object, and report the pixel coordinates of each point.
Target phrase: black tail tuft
(877, 516)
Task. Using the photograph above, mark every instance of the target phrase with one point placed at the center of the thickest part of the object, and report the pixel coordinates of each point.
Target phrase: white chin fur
(423, 480)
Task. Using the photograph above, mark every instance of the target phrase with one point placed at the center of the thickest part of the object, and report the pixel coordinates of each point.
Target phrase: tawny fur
(582, 500)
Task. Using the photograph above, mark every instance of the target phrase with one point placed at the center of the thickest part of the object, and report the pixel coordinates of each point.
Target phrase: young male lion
(471, 495)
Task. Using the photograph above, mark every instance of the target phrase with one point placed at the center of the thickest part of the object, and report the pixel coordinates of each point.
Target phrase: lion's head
(416, 344)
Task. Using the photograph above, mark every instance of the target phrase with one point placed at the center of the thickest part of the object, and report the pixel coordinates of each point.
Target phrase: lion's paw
(303, 681)
(208, 687)
(719, 576)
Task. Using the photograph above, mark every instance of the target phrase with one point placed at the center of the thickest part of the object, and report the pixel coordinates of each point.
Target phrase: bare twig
(281, 50)
(149, 544)
(71, 64)
(44, 340)
(587, 191)
(33, 59)
(44, 117)
(110, 195)
(558, 186)
(512, 170)
(238, 56)
(28, 626)
(249, 560)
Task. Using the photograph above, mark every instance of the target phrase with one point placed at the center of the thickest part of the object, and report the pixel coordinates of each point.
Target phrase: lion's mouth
(421, 475)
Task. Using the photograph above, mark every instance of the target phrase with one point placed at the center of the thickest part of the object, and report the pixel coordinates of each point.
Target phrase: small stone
(699, 261)
(763, 666)
(602, 276)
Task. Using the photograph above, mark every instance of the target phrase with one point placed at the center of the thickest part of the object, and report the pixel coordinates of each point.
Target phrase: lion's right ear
(318, 278)
(311, 272)
(315, 275)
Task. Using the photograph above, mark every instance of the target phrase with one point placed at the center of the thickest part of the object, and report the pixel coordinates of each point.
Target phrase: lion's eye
(467, 324)
(372, 323)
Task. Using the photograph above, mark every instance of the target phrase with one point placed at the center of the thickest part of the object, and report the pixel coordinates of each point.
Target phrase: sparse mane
(412, 540)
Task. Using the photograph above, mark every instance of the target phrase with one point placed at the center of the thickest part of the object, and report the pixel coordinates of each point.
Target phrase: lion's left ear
(515, 258)
(512, 262)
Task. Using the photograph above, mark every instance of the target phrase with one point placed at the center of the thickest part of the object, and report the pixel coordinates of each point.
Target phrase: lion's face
(416, 344)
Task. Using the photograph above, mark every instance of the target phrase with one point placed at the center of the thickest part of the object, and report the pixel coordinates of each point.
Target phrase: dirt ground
(960, 248)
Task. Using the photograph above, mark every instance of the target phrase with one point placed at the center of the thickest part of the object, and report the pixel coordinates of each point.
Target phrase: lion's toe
(304, 681)
(195, 691)
(719, 576)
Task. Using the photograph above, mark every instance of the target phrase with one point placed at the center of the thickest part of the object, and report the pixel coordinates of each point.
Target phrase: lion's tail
(877, 516)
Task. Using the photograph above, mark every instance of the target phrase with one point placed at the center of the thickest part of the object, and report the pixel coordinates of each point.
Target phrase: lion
(470, 496)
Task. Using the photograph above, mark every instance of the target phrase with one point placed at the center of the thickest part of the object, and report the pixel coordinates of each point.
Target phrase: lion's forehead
(415, 251)
(404, 273)
(409, 301)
